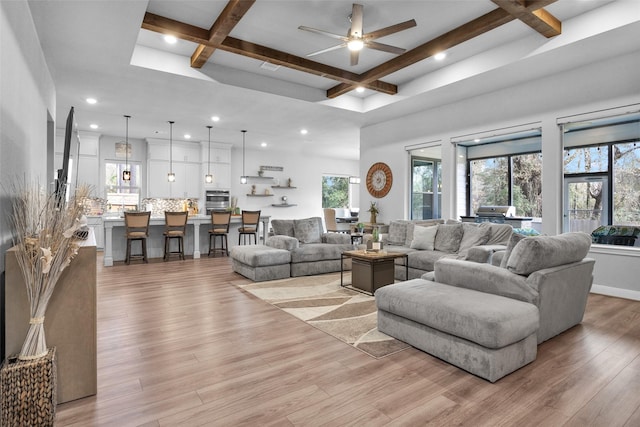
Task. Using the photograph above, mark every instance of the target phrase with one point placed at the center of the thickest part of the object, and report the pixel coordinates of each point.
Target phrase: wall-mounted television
(62, 178)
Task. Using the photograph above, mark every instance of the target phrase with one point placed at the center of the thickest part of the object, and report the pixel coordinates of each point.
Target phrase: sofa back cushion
(282, 227)
(513, 241)
(539, 252)
(474, 235)
(448, 237)
(397, 233)
(424, 237)
(308, 230)
(500, 234)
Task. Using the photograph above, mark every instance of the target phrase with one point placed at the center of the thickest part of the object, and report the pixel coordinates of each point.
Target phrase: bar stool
(250, 221)
(219, 228)
(175, 228)
(137, 228)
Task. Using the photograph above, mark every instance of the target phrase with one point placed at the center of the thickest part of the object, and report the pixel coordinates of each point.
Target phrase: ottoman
(260, 263)
(485, 334)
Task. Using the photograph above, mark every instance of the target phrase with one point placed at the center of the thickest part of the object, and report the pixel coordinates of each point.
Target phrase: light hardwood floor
(180, 345)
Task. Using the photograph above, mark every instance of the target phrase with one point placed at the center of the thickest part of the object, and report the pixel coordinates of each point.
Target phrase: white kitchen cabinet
(220, 165)
(221, 176)
(157, 184)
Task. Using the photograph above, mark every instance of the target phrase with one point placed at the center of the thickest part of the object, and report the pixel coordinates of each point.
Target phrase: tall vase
(373, 218)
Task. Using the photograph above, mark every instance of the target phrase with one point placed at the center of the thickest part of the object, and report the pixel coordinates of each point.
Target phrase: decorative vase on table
(373, 218)
(46, 235)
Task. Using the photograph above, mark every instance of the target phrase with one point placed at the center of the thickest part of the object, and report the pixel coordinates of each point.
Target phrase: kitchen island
(196, 240)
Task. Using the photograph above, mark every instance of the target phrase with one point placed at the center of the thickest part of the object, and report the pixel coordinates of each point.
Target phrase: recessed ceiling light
(187, 136)
(440, 56)
(93, 126)
(91, 100)
(304, 131)
(360, 89)
(264, 144)
(215, 118)
(170, 39)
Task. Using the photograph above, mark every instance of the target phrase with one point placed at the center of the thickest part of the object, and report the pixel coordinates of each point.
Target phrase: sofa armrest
(484, 278)
(336, 238)
(562, 295)
(483, 253)
(283, 242)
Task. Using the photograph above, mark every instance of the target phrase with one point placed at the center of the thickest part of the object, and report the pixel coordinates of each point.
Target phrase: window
(426, 181)
(602, 173)
(489, 182)
(335, 191)
(122, 195)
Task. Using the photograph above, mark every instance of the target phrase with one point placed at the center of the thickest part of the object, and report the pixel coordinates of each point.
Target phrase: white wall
(599, 86)
(306, 173)
(27, 102)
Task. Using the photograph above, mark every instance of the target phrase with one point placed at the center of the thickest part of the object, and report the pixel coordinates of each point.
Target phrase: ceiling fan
(356, 39)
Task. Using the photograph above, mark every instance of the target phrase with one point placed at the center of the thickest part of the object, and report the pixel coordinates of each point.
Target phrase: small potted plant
(360, 227)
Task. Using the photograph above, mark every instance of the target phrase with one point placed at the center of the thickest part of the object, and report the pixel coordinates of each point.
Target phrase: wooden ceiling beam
(471, 29)
(540, 20)
(228, 19)
(198, 35)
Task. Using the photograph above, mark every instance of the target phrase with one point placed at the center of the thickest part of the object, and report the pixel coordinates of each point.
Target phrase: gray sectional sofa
(488, 319)
(427, 241)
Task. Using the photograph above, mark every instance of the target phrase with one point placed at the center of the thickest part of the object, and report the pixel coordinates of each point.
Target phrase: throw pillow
(448, 238)
(282, 227)
(424, 237)
(500, 233)
(307, 230)
(539, 252)
(473, 235)
(515, 238)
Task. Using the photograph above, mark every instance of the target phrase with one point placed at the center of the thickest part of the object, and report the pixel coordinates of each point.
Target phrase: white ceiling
(96, 48)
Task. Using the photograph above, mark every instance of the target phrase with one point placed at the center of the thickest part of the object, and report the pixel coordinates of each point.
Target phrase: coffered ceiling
(247, 63)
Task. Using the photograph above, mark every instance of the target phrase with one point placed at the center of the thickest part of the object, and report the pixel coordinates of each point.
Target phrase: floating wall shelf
(259, 195)
(283, 205)
(281, 186)
(259, 177)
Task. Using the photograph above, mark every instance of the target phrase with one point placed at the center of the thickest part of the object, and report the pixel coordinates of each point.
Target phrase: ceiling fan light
(355, 45)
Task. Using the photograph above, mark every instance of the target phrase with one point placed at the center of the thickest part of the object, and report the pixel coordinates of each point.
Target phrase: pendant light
(171, 177)
(243, 178)
(208, 178)
(126, 173)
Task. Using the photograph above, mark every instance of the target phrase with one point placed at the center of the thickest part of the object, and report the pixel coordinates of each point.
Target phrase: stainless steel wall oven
(216, 199)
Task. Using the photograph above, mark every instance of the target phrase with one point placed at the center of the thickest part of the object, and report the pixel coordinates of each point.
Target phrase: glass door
(426, 184)
(585, 203)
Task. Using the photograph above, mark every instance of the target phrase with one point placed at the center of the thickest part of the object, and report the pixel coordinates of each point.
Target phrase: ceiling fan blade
(384, 47)
(355, 54)
(328, 49)
(323, 33)
(390, 30)
(356, 21)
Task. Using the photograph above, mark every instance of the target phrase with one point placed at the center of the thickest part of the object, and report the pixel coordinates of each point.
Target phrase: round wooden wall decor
(379, 180)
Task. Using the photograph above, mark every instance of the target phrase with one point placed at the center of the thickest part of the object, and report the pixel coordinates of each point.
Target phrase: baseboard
(616, 292)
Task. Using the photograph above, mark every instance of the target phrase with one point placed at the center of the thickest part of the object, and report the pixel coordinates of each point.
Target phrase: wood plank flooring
(180, 345)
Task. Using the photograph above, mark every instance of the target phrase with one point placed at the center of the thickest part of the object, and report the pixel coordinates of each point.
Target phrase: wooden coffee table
(371, 270)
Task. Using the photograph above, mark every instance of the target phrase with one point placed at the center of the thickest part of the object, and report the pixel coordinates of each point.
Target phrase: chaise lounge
(488, 319)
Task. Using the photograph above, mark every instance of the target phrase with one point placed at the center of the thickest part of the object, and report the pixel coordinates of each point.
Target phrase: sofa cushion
(397, 232)
(307, 230)
(425, 260)
(424, 237)
(539, 252)
(260, 255)
(500, 234)
(282, 242)
(318, 252)
(336, 238)
(513, 241)
(282, 227)
(484, 278)
(473, 235)
(448, 237)
(489, 320)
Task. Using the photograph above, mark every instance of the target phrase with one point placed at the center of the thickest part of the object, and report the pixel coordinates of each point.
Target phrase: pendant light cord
(209, 158)
(244, 132)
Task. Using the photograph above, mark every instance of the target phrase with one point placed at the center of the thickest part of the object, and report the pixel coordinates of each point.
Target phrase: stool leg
(128, 258)
(181, 242)
(225, 244)
(166, 248)
(144, 250)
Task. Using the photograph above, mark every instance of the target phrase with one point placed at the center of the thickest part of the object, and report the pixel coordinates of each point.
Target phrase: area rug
(321, 302)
